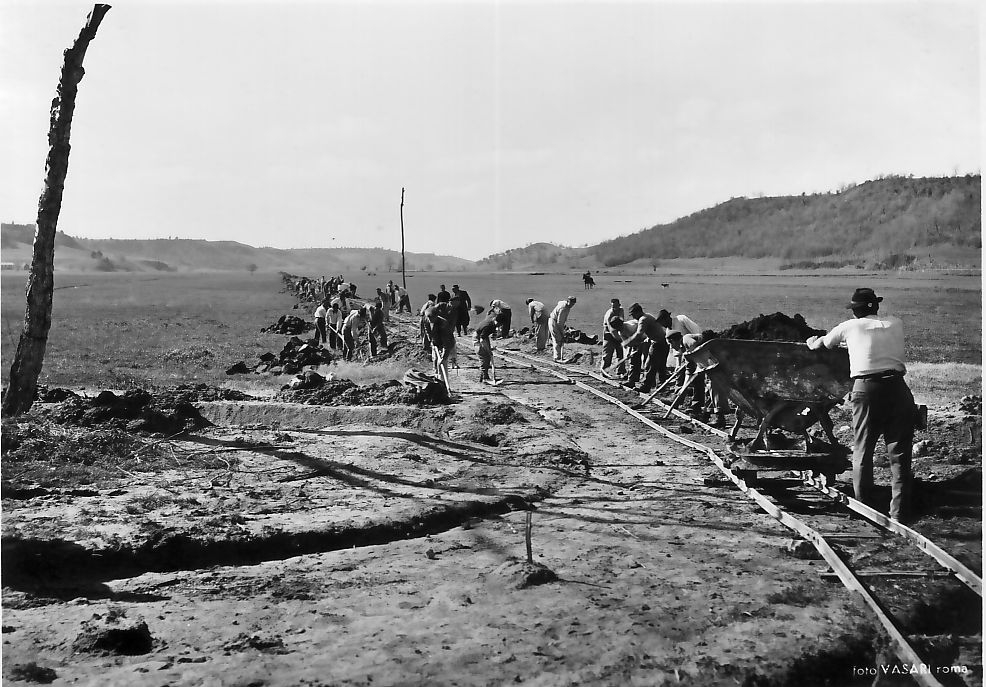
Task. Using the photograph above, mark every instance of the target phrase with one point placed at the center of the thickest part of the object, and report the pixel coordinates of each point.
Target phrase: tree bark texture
(30, 352)
(403, 271)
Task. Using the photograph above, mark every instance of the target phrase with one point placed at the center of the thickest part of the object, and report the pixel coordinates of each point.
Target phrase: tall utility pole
(26, 368)
(403, 273)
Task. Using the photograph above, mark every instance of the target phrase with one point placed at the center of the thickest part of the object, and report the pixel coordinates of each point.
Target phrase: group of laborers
(340, 325)
(642, 344)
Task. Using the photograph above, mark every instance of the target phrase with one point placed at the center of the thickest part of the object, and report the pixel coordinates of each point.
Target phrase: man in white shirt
(320, 331)
(685, 326)
(539, 323)
(881, 400)
(612, 345)
(556, 326)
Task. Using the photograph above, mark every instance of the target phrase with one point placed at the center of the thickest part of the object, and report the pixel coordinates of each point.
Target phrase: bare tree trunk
(403, 272)
(37, 317)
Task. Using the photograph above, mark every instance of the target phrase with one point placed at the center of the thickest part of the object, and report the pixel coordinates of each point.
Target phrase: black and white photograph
(562, 343)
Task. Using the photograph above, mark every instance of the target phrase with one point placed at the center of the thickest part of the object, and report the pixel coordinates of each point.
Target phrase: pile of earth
(295, 355)
(289, 324)
(571, 336)
(342, 392)
(776, 327)
(194, 393)
(136, 410)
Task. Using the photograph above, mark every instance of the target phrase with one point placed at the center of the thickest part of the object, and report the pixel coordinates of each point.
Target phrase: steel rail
(945, 559)
(903, 648)
(942, 557)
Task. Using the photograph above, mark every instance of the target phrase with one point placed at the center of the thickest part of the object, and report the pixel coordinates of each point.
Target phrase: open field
(116, 330)
(281, 542)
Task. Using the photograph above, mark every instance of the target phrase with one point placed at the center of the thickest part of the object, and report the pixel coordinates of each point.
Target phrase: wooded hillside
(894, 215)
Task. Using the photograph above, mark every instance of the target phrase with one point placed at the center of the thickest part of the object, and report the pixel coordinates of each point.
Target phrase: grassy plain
(118, 330)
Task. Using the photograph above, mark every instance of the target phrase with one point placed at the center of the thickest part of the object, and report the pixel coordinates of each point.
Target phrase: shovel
(659, 389)
(681, 394)
(495, 382)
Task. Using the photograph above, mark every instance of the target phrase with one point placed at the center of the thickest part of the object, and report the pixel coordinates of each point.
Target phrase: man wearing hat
(881, 400)
(539, 323)
(556, 326)
(612, 344)
(463, 303)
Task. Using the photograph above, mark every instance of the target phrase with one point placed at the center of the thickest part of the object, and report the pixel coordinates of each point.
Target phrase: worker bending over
(539, 323)
(556, 326)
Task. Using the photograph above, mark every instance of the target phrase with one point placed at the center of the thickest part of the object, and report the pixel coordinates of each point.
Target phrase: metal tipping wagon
(782, 385)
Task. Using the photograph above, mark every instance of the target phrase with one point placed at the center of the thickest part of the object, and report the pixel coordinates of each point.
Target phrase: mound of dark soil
(114, 633)
(289, 324)
(32, 672)
(498, 413)
(56, 395)
(776, 327)
(295, 355)
(342, 392)
(192, 393)
(517, 574)
(136, 410)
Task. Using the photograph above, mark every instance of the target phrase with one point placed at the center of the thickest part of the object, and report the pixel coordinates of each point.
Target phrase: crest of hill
(536, 255)
(891, 220)
(174, 254)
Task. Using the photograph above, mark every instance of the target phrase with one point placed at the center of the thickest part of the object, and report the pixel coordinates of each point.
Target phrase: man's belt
(877, 376)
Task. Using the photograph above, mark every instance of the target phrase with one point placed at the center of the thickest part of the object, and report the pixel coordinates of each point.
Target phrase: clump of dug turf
(36, 453)
(113, 633)
(498, 413)
(194, 393)
(136, 410)
(289, 324)
(776, 327)
(519, 574)
(342, 392)
(32, 672)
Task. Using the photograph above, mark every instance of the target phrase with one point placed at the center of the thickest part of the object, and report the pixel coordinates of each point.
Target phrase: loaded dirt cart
(783, 386)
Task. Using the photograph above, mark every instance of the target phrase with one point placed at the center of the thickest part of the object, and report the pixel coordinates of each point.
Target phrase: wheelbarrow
(782, 385)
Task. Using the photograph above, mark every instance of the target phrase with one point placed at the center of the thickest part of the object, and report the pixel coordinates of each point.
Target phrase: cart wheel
(829, 479)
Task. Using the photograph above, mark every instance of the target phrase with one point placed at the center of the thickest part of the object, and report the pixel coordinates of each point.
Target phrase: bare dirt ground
(290, 544)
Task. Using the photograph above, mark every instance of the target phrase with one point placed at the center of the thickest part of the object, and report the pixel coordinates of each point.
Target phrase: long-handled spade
(440, 369)
(681, 394)
(659, 389)
(495, 382)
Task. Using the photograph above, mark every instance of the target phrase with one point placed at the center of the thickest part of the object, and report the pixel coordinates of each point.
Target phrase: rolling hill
(184, 255)
(885, 223)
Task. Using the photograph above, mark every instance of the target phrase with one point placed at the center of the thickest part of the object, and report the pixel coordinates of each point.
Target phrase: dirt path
(386, 545)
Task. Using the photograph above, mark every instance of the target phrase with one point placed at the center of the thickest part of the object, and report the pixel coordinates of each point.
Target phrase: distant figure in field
(588, 281)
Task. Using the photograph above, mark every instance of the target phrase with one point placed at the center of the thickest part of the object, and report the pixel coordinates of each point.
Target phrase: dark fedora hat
(862, 297)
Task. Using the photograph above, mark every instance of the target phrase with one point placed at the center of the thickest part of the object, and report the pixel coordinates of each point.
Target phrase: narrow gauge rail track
(823, 512)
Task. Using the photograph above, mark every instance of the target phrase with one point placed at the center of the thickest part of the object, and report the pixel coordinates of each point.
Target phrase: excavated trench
(58, 568)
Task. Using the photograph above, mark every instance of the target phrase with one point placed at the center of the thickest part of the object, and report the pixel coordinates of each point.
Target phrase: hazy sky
(296, 124)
